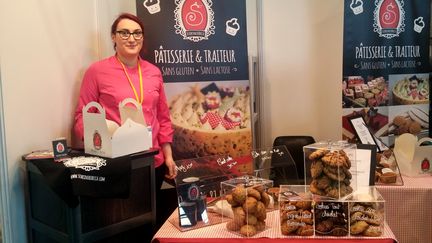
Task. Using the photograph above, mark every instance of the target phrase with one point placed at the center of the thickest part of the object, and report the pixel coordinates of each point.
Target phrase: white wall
(46, 46)
(302, 68)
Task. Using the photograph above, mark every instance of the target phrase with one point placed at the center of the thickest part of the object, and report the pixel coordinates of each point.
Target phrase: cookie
(324, 226)
(335, 159)
(239, 215)
(250, 205)
(265, 198)
(317, 154)
(261, 212)
(373, 231)
(306, 230)
(358, 227)
(251, 219)
(231, 200)
(288, 227)
(254, 193)
(323, 182)
(316, 168)
(239, 194)
(314, 188)
(334, 173)
(248, 230)
(233, 225)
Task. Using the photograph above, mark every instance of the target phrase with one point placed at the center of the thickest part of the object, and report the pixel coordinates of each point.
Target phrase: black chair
(282, 169)
(295, 144)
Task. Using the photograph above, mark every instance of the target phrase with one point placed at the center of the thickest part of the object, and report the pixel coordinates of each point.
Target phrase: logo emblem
(232, 26)
(194, 19)
(357, 6)
(86, 163)
(152, 6)
(193, 192)
(60, 147)
(97, 140)
(425, 165)
(389, 18)
(419, 24)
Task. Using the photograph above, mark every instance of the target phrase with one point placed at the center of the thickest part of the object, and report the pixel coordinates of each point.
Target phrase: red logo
(193, 192)
(97, 140)
(194, 19)
(389, 17)
(425, 165)
(60, 147)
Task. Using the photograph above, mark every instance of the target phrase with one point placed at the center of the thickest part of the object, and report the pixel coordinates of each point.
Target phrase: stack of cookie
(330, 172)
(296, 211)
(366, 219)
(331, 217)
(249, 201)
(367, 212)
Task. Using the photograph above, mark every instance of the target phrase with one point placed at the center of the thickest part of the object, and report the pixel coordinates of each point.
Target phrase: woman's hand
(169, 161)
(172, 172)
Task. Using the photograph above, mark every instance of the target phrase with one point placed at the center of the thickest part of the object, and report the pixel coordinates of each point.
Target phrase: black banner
(200, 47)
(386, 69)
(196, 40)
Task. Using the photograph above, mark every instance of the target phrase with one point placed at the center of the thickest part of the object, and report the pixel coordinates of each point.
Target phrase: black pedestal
(50, 219)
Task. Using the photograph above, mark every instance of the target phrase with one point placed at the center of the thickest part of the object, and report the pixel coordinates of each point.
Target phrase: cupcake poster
(386, 70)
(200, 47)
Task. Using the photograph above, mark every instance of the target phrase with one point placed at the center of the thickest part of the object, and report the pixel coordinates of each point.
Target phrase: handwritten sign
(211, 171)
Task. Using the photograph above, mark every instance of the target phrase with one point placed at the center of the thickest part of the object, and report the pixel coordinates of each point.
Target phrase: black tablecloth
(109, 181)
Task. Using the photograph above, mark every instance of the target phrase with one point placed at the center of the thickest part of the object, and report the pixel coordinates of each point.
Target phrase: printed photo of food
(412, 119)
(210, 118)
(409, 89)
(359, 91)
(376, 119)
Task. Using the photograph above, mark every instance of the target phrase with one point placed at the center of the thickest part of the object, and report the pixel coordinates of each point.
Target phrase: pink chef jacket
(106, 83)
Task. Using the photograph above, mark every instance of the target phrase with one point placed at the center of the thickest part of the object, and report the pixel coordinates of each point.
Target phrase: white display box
(248, 200)
(329, 168)
(366, 212)
(106, 139)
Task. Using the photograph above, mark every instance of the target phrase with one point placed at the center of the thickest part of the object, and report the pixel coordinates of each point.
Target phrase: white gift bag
(107, 139)
(413, 158)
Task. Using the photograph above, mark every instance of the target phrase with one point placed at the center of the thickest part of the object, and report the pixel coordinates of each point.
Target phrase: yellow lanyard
(131, 84)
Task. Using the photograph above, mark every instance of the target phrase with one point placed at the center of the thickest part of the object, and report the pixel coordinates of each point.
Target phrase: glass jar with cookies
(329, 168)
(248, 201)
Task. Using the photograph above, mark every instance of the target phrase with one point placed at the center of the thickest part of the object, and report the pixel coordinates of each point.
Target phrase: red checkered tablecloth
(409, 209)
(217, 233)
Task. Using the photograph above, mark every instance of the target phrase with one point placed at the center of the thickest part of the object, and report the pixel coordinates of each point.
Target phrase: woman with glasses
(127, 75)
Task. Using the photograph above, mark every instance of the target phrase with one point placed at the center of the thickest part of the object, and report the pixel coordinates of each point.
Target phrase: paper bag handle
(96, 105)
(422, 140)
(132, 101)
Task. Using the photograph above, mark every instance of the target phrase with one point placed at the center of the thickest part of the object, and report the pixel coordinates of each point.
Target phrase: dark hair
(125, 16)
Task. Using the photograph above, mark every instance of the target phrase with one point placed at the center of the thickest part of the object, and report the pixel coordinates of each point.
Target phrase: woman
(126, 75)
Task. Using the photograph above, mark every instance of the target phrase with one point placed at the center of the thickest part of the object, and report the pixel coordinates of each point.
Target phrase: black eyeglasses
(124, 34)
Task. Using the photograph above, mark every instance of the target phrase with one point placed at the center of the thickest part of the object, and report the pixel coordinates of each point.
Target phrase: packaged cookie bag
(248, 201)
(296, 210)
(329, 167)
